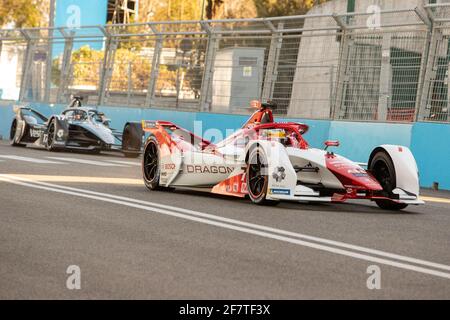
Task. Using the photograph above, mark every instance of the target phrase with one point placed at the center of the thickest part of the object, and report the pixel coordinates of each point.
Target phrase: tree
(157, 10)
(24, 13)
(212, 6)
(274, 8)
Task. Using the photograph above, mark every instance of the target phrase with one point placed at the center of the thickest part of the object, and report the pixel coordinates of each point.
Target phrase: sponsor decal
(209, 169)
(279, 174)
(284, 192)
(34, 133)
(358, 173)
(60, 133)
(169, 166)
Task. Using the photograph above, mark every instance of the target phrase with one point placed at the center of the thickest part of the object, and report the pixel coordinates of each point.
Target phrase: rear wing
(150, 125)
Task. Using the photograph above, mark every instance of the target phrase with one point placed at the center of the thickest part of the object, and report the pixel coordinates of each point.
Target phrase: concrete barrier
(428, 141)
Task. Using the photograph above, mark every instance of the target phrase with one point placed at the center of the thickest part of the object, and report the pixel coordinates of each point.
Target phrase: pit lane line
(245, 227)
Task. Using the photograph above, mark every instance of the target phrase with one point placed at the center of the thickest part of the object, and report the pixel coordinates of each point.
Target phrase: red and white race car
(271, 162)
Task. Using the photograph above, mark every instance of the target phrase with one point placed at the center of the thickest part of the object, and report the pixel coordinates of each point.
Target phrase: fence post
(272, 60)
(385, 93)
(427, 20)
(341, 77)
(130, 82)
(65, 67)
(430, 73)
(212, 47)
(149, 99)
(27, 64)
(48, 68)
(107, 68)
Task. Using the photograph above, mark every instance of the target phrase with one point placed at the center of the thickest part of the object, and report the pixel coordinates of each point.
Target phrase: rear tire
(383, 170)
(12, 135)
(150, 165)
(258, 178)
(127, 142)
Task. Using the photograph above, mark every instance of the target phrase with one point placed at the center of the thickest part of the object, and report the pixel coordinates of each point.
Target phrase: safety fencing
(317, 66)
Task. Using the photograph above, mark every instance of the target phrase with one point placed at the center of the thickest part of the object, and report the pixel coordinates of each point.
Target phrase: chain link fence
(317, 66)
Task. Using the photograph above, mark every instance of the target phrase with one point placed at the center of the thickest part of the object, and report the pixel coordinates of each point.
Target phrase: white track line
(28, 159)
(84, 161)
(131, 163)
(245, 227)
(242, 223)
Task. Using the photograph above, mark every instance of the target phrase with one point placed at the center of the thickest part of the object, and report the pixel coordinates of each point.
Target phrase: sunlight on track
(432, 199)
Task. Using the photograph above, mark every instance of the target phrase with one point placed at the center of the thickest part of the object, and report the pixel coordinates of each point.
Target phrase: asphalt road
(63, 209)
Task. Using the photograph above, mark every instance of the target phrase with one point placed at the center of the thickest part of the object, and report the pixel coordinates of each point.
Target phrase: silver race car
(76, 128)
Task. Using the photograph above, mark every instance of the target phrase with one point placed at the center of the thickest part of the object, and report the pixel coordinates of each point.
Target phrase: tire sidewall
(151, 184)
(261, 198)
(386, 159)
(51, 147)
(13, 138)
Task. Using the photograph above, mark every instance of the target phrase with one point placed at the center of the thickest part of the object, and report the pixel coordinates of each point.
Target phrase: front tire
(383, 170)
(258, 178)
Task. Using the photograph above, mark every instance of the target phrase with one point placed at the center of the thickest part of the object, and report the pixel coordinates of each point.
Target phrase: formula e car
(76, 128)
(270, 162)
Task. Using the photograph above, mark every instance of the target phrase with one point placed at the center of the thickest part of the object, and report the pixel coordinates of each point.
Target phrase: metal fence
(335, 66)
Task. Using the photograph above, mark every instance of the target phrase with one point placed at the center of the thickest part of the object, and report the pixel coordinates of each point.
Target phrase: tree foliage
(86, 65)
(274, 8)
(24, 13)
(156, 10)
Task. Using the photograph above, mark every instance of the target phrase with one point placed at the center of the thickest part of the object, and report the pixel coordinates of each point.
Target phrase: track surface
(133, 248)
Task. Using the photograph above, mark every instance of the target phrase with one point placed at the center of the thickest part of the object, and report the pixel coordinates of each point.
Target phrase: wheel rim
(12, 134)
(256, 177)
(151, 162)
(51, 133)
(384, 177)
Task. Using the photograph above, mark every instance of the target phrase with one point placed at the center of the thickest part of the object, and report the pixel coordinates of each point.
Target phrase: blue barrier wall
(428, 141)
(359, 139)
(431, 147)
